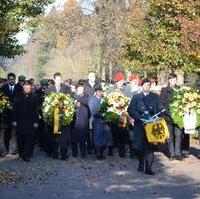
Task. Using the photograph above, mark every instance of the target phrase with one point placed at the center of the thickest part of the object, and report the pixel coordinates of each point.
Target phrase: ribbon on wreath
(56, 121)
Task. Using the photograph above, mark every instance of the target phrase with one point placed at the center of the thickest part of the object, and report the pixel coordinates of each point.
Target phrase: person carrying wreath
(59, 141)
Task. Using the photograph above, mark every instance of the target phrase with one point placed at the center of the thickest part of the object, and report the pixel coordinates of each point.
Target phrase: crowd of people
(23, 127)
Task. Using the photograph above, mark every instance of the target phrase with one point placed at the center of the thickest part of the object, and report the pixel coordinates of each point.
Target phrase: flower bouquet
(58, 110)
(114, 108)
(4, 103)
(185, 108)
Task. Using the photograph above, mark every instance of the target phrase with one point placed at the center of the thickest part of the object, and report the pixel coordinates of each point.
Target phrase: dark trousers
(41, 134)
(175, 140)
(48, 139)
(186, 144)
(25, 145)
(61, 142)
(82, 145)
(120, 138)
(89, 141)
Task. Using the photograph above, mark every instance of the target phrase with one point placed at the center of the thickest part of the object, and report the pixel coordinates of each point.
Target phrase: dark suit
(80, 126)
(174, 143)
(62, 140)
(10, 134)
(89, 90)
(25, 113)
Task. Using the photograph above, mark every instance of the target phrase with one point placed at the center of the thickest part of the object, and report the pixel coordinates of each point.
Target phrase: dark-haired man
(10, 90)
(25, 119)
(63, 140)
(89, 90)
(175, 140)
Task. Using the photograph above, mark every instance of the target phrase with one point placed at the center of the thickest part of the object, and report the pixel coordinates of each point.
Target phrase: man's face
(44, 87)
(172, 82)
(120, 84)
(134, 82)
(58, 80)
(11, 80)
(80, 90)
(27, 88)
(146, 87)
(92, 77)
(100, 93)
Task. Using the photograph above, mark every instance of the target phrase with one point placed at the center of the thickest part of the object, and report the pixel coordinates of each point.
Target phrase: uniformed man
(143, 106)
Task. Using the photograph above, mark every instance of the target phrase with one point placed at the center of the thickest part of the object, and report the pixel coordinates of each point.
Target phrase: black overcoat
(143, 107)
(25, 113)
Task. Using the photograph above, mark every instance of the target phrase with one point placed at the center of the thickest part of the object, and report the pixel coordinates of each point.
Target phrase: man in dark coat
(175, 140)
(90, 90)
(143, 106)
(63, 140)
(11, 90)
(81, 122)
(25, 119)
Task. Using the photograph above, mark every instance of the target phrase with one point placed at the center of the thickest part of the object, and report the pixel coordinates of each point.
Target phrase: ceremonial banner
(157, 131)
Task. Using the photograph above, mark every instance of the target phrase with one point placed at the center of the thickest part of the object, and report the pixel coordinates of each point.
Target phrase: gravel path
(45, 178)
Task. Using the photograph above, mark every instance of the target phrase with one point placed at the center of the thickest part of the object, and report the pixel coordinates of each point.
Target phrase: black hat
(145, 80)
(98, 87)
(21, 78)
(44, 82)
(80, 84)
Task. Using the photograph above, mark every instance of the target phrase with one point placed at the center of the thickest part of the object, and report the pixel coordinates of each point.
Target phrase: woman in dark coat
(25, 119)
(81, 122)
(143, 106)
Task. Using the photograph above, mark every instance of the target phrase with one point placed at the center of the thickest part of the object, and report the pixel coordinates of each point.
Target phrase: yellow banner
(157, 132)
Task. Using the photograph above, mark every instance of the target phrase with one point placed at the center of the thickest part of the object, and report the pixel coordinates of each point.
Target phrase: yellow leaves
(70, 5)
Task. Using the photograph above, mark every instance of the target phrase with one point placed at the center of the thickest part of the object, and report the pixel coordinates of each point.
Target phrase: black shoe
(148, 170)
(185, 156)
(110, 151)
(26, 159)
(55, 156)
(75, 155)
(84, 156)
(132, 154)
(180, 158)
(64, 157)
(141, 167)
(122, 155)
(171, 158)
(90, 152)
